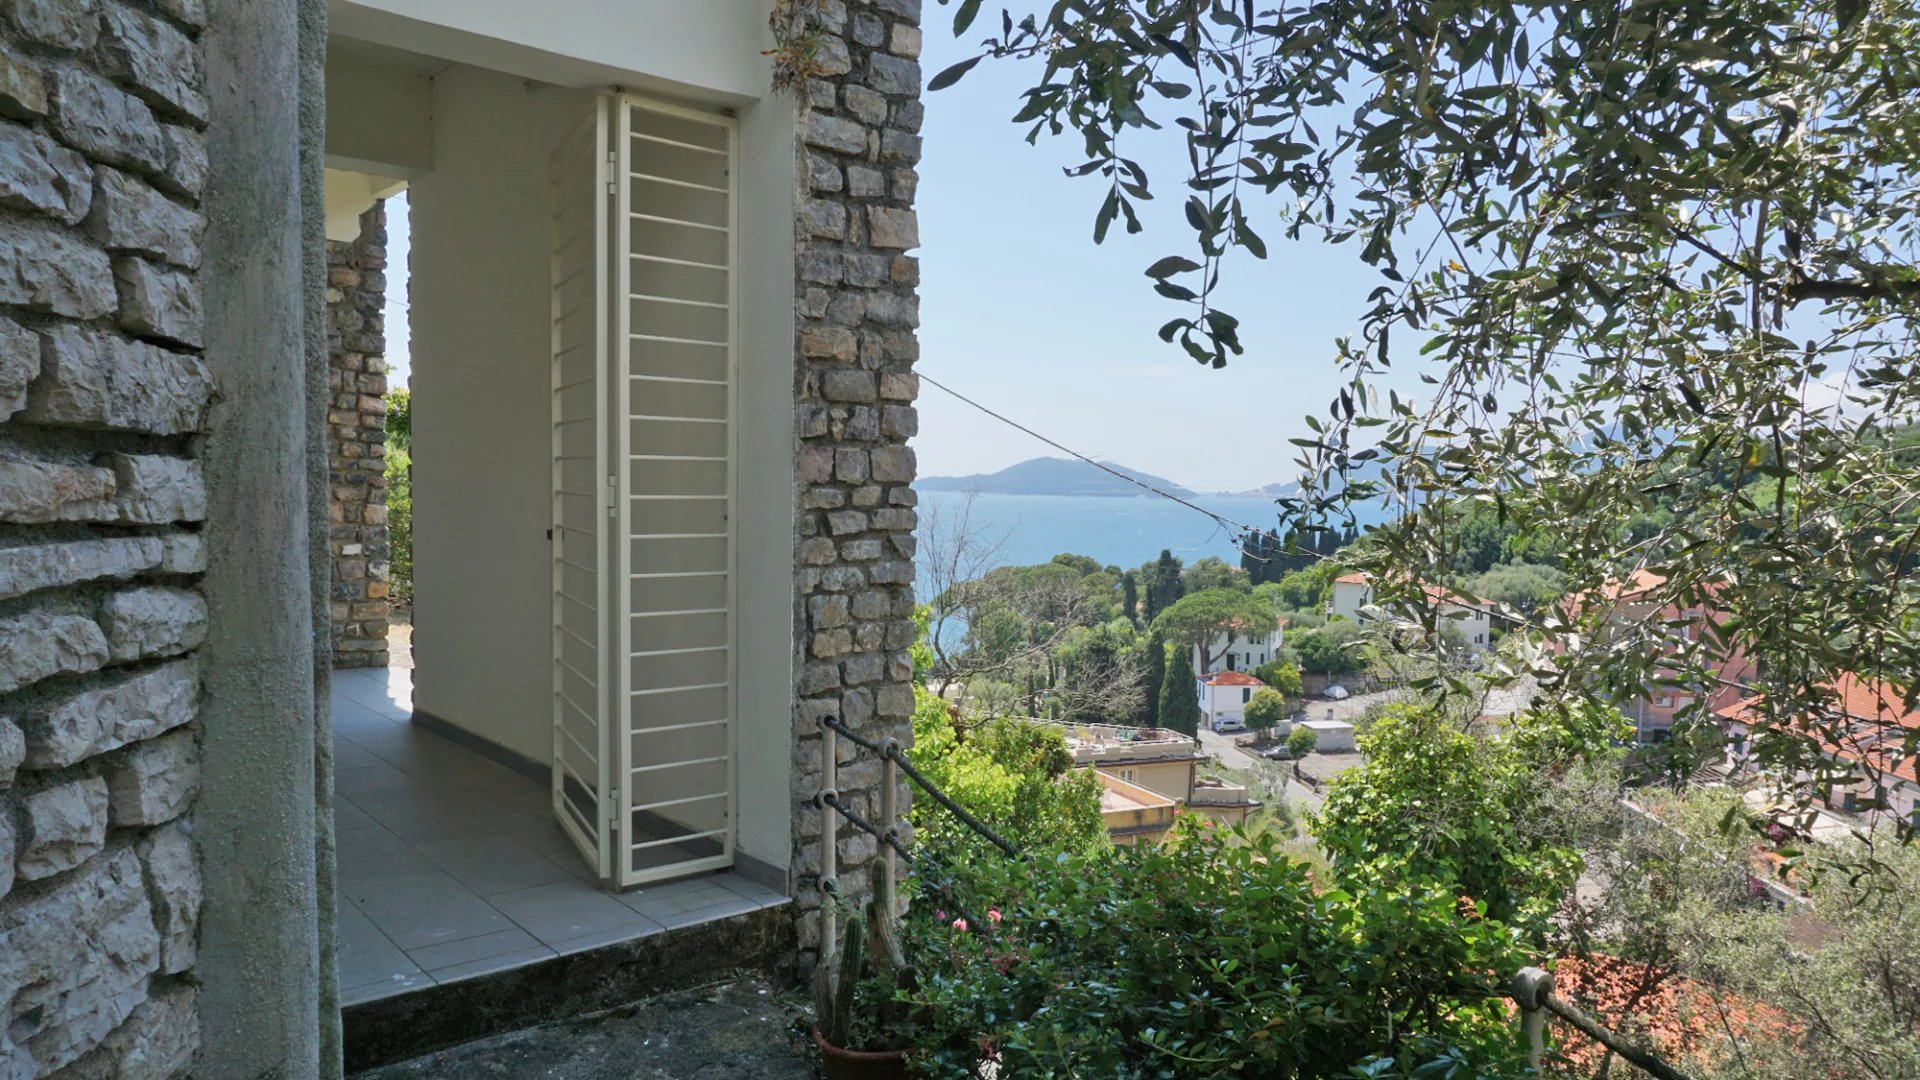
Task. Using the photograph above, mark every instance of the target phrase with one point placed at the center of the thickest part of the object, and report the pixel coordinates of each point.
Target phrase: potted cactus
(862, 1028)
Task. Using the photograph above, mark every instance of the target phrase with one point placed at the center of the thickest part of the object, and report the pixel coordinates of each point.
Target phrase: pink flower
(960, 925)
(940, 916)
(993, 914)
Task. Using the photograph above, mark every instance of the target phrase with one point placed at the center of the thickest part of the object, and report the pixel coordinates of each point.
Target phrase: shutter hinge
(612, 503)
(612, 163)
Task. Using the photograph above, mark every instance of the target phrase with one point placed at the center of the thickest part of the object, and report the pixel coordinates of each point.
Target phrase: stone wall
(854, 393)
(356, 442)
(103, 398)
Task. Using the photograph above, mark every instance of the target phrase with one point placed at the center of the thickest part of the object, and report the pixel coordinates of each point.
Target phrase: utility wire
(1221, 520)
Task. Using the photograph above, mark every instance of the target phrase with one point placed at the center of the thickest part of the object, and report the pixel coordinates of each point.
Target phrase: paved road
(1231, 756)
(1275, 772)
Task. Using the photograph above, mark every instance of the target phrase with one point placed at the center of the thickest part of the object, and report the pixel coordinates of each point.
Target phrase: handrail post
(890, 820)
(829, 840)
(1531, 988)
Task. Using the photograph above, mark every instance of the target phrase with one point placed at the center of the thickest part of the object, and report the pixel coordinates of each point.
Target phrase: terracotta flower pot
(860, 1064)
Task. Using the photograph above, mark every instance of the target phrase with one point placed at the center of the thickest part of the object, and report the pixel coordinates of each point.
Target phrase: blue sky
(1021, 311)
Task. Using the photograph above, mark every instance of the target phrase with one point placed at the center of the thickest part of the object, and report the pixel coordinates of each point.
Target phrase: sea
(1114, 531)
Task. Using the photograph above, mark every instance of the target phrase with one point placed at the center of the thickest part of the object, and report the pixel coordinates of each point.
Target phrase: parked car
(1227, 725)
(1277, 753)
(1337, 693)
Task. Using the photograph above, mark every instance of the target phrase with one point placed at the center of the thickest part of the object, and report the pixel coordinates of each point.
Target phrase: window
(1230, 661)
(1127, 775)
(1246, 694)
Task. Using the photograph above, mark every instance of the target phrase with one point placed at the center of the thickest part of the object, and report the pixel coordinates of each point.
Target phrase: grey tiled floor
(451, 865)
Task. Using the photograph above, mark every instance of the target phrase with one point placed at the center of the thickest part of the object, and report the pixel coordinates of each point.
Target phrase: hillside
(1051, 476)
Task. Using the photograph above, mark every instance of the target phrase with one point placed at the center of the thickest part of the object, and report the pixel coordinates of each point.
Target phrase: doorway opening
(560, 767)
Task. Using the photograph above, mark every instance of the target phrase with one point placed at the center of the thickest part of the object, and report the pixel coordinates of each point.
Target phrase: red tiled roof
(1231, 678)
(1877, 739)
(1435, 593)
(1685, 1021)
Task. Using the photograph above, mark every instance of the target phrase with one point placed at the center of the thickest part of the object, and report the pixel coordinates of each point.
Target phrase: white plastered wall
(478, 311)
(479, 326)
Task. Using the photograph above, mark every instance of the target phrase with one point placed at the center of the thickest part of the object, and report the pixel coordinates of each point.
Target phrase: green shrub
(1301, 741)
(399, 476)
(1211, 955)
(1265, 710)
(1334, 649)
(400, 522)
(1282, 675)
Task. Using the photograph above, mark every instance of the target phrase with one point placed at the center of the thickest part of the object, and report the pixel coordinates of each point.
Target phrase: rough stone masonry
(857, 310)
(103, 400)
(356, 442)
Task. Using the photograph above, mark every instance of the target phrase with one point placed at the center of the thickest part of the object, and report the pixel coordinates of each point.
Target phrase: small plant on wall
(796, 42)
(400, 491)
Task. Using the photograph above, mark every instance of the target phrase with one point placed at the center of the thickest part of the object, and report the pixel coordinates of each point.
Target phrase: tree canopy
(1338, 647)
(1198, 619)
(1265, 710)
(1638, 256)
(1180, 694)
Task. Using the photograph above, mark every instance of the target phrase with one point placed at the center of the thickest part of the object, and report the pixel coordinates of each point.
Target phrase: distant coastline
(1058, 477)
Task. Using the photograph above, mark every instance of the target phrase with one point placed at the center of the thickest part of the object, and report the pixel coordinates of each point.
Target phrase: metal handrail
(1532, 989)
(890, 751)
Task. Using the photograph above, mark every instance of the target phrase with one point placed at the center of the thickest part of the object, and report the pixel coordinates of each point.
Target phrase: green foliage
(399, 477)
(1265, 710)
(1213, 572)
(1016, 775)
(1029, 627)
(1307, 589)
(400, 418)
(1433, 801)
(1853, 996)
(1337, 648)
(1156, 679)
(1160, 580)
(1634, 257)
(1199, 618)
(1269, 556)
(1095, 674)
(1282, 675)
(1524, 587)
(1301, 741)
(1179, 694)
(1212, 955)
(1082, 565)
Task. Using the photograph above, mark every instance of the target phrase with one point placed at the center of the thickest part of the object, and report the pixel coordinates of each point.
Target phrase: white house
(1224, 696)
(1243, 652)
(1353, 599)
(1351, 593)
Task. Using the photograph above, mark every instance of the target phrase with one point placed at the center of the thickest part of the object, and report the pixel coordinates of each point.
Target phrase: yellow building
(1134, 814)
(1160, 763)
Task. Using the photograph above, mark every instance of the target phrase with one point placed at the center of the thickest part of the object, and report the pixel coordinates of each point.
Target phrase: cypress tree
(1130, 596)
(1179, 701)
(1156, 677)
(1163, 588)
